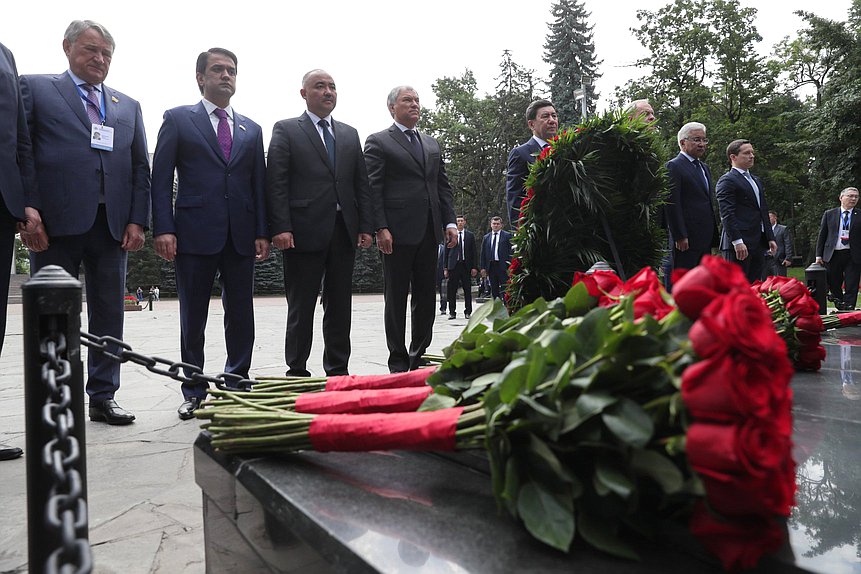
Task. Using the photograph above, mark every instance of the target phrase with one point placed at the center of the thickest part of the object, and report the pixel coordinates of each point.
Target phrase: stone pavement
(145, 508)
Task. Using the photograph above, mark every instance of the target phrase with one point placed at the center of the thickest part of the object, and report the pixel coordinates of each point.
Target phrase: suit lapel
(69, 91)
(201, 121)
(240, 136)
(311, 131)
(110, 106)
(397, 135)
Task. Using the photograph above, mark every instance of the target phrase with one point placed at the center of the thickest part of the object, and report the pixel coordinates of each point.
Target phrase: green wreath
(594, 195)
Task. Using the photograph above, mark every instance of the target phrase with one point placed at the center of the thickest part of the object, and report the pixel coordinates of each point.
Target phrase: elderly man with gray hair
(690, 208)
(839, 248)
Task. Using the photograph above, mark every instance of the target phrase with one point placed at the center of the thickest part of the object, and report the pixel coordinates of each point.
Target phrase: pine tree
(570, 51)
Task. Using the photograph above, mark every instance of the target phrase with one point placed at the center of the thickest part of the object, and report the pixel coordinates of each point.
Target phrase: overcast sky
(368, 46)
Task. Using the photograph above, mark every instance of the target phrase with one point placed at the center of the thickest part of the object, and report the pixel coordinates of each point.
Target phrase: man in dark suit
(776, 264)
(542, 120)
(839, 249)
(689, 211)
(744, 212)
(218, 156)
(92, 190)
(460, 268)
(319, 211)
(412, 205)
(496, 256)
(16, 164)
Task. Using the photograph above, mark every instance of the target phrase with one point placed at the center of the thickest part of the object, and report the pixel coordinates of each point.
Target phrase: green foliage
(605, 171)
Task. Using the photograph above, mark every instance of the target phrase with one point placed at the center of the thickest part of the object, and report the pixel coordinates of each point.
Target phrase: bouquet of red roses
(600, 411)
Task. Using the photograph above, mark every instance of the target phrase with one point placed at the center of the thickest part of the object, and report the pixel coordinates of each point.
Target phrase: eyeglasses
(698, 140)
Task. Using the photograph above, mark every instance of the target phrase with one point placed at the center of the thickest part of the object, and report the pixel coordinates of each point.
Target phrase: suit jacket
(214, 198)
(784, 243)
(69, 173)
(303, 189)
(742, 218)
(829, 234)
(519, 160)
(690, 211)
(468, 252)
(403, 190)
(503, 249)
(16, 152)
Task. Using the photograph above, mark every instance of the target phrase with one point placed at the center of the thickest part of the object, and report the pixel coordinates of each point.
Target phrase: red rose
(810, 358)
(804, 305)
(644, 280)
(738, 320)
(739, 543)
(849, 319)
(652, 303)
(724, 452)
(545, 152)
(600, 284)
(694, 290)
(772, 494)
(811, 323)
(729, 387)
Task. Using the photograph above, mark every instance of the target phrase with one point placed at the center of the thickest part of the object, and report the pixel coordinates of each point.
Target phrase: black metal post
(52, 325)
(816, 278)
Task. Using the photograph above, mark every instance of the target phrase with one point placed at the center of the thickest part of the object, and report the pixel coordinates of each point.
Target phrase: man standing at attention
(412, 204)
(744, 213)
(839, 249)
(91, 191)
(542, 120)
(319, 210)
(460, 269)
(496, 256)
(689, 210)
(776, 264)
(16, 164)
(218, 157)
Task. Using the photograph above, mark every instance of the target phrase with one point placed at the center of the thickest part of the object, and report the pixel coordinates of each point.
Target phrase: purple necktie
(93, 104)
(225, 140)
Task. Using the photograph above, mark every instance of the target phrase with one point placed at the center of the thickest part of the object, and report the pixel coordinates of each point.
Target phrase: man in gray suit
(776, 264)
(16, 163)
(319, 210)
(91, 190)
(412, 205)
(839, 249)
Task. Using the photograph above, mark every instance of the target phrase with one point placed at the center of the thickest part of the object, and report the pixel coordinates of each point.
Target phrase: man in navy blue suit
(496, 256)
(16, 164)
(89, 201)
(542, 120)
(744, 213)
(690, 210)
(217, 223)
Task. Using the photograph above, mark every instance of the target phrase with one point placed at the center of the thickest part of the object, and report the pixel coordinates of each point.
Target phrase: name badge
(844, 234)
(102, 137)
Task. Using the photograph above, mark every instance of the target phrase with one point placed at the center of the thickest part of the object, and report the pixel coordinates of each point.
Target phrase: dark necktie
(328, 140)
(460, 245)
(845, 226)
(493, 248)
(416, 146)
(93, 106)
(225, 140)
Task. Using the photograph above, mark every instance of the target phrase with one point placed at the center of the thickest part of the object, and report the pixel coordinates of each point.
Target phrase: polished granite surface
(419, 512)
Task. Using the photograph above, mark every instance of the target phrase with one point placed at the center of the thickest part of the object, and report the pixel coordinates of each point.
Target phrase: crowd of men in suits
(77, 185)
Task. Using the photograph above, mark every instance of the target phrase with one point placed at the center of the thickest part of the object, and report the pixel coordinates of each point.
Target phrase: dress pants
(497, 272)
(773, 266)
(304, 273)
(7, 249)
(688, 259)
(459, 276)
(410, 269)
(842, 270)
(105, 269)
(195, 275)
(754, 262)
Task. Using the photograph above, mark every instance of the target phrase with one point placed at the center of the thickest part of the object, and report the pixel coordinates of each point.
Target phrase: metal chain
(66, 510)
(120, 351)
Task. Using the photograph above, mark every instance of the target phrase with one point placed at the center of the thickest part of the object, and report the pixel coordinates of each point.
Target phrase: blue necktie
(845, 226)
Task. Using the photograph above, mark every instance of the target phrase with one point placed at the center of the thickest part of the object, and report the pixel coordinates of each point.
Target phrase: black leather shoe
(452, 316)
(467, 315)
(108, 411)
(9, 452)
(298, 373)
(187, 408)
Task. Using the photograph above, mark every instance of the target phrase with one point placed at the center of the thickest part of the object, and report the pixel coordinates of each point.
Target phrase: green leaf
(543, 463)
(558, 345)
(436, 402)
(602, 536)
(548, 516)
(613, 478)
(629, 422)
(537, 367)
(593, 403)
(490, 310)
(659, 468)
(512, 485)
(513, 380)
(577, 300)
(592, 332)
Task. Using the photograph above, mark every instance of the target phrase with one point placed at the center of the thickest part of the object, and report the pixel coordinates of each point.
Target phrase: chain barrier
(120, 351)
(66, 511)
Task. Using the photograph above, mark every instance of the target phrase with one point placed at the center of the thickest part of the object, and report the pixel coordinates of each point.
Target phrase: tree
(570, 51)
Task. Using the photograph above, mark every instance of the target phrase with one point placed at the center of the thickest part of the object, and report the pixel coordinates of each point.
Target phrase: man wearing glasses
(839, 248)
(690, 211)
